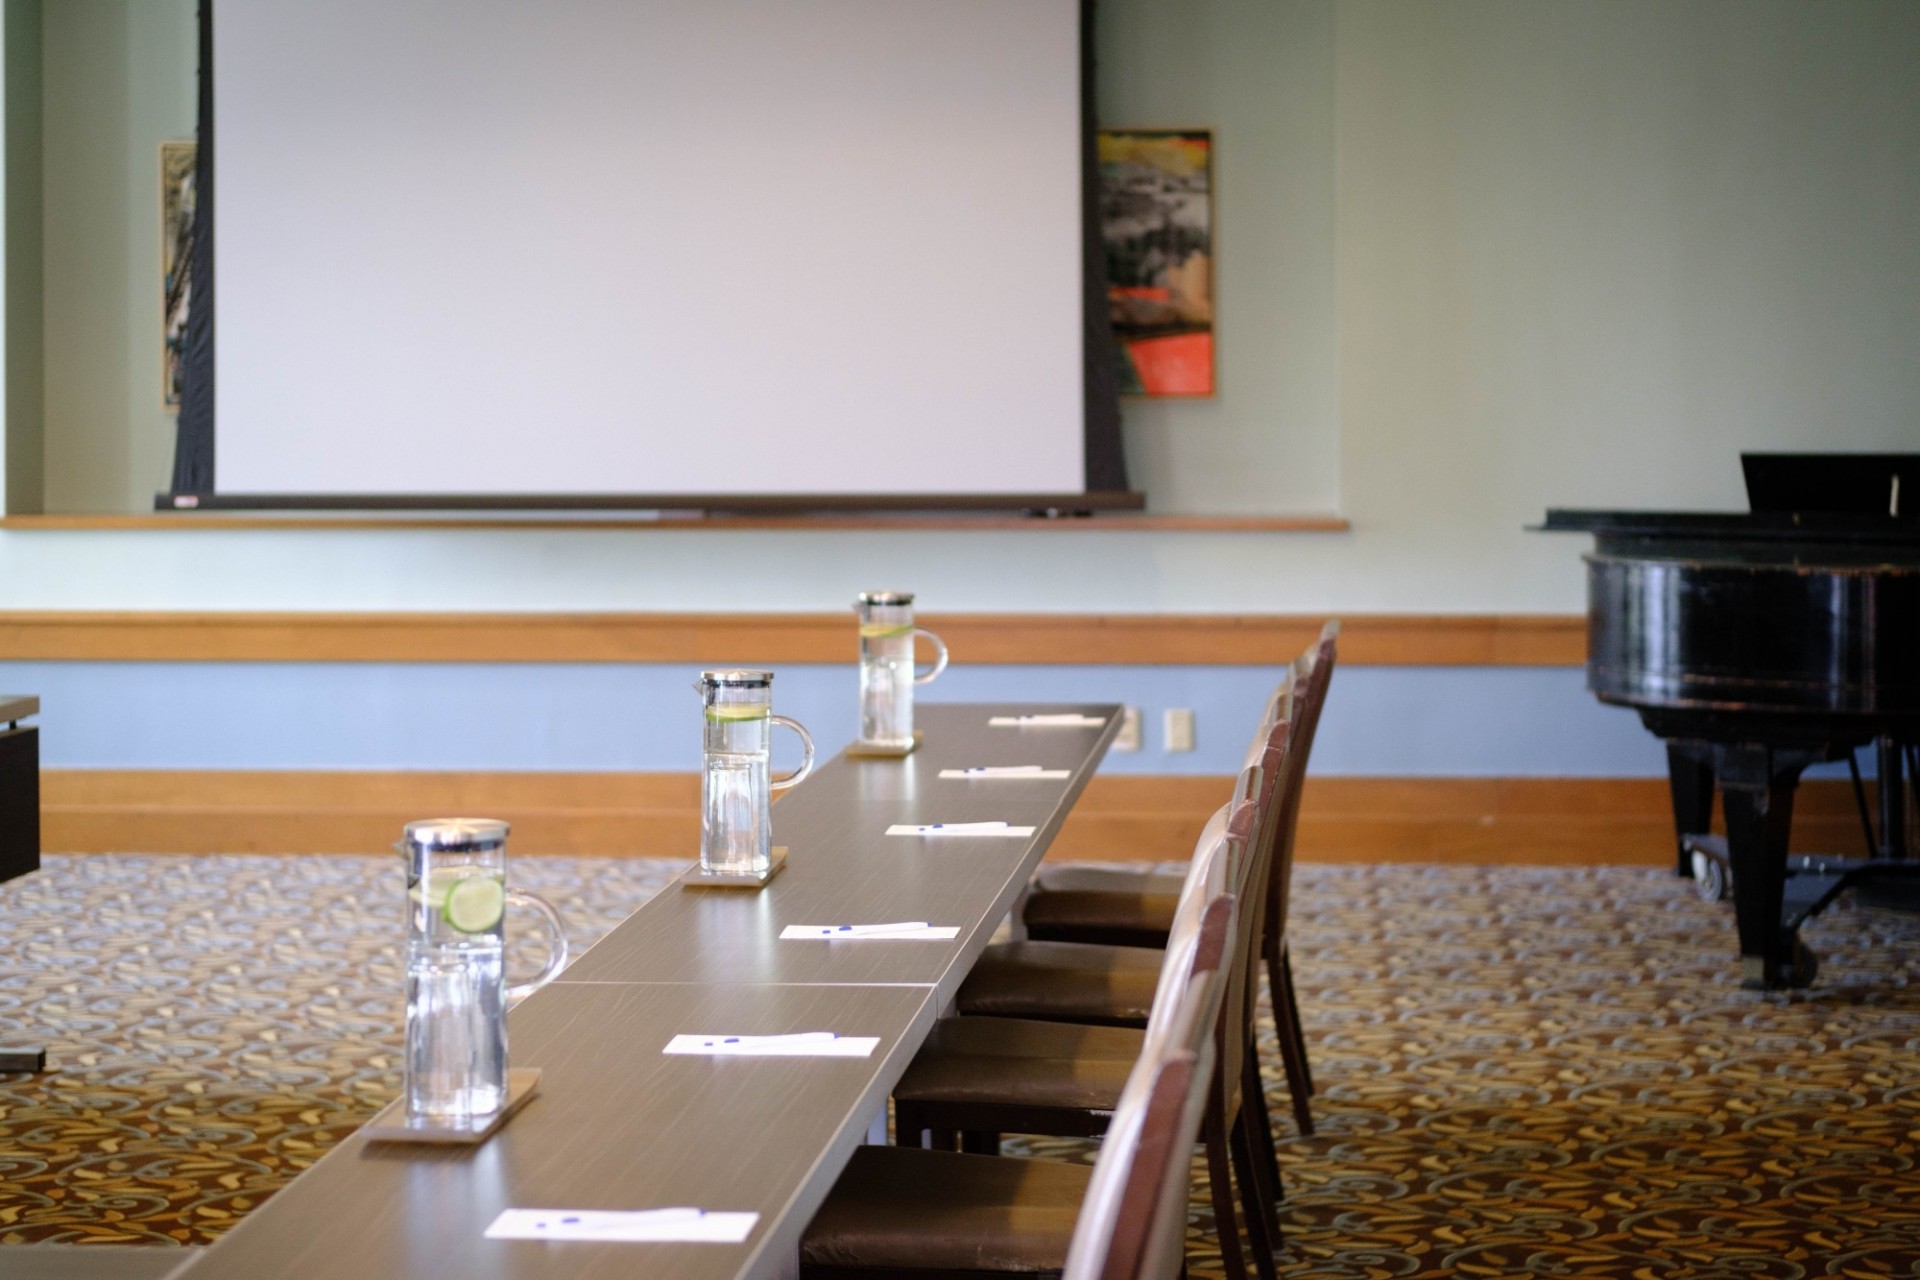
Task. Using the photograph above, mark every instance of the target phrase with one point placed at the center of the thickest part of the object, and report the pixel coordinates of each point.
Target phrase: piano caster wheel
(1796, 973)
(1806, 966)
(1710, 878)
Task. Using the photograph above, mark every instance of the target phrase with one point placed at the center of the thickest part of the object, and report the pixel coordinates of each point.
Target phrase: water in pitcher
(456, 1063)
(737, 828)
(886, 682)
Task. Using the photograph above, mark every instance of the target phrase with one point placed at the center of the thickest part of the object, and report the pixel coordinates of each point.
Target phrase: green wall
(1476, 258)
(23, 458)
(117, 80)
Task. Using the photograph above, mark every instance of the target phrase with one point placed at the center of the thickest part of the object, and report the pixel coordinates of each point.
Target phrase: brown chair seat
(1063, 982)
(1012, 1064)
(1115, 917)
(902, 1208)
(1076, 877)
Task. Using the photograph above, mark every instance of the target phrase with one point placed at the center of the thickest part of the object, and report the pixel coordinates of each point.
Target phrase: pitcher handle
(940, 660)
(806, 764)
(556, 943)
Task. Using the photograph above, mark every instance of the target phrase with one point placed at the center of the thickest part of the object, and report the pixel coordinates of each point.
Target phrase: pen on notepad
(828, 931)
(929, 828)
(798, 1035)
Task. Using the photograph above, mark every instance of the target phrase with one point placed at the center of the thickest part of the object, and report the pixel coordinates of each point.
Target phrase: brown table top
(18, 706)
(619, 1125)
(616, 1125)
(842, 867)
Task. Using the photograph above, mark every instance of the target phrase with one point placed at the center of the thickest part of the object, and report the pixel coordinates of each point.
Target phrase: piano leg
(1690, 777)
(1893, 800)
(1758, 784)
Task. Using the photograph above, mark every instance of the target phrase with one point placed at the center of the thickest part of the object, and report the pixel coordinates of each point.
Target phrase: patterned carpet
(1523, 1071)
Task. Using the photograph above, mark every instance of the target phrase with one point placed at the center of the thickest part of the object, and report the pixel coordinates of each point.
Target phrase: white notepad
(805, 1044)
(868, 932)
(1012, 772)
(1068, 720)
(936, 830)
(657, 1226)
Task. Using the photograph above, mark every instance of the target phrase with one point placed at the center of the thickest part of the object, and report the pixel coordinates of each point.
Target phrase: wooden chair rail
(976, 638)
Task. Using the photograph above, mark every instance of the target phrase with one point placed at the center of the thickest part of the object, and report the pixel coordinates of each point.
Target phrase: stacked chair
(1129, 1012)
(904, 1211)
(1130, 908)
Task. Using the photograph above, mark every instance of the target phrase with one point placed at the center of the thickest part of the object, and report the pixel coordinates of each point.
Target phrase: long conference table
(617, 1124)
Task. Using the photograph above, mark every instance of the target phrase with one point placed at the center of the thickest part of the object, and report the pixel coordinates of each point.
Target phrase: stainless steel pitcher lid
(738, 679)
(454, 834)
(885, 597)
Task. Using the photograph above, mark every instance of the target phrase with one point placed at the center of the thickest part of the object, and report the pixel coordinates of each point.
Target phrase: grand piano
(1760, 644)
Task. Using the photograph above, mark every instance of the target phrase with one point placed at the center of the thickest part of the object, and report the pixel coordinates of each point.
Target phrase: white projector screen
(648, 246)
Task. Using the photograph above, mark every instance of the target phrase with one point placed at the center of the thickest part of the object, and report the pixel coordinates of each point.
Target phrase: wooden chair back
(1207, 880)
(1258, 830)
(1133, 1223)
(1306, 686)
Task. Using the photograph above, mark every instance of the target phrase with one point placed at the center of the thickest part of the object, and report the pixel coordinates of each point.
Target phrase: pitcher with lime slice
(736, 821)
(887, 674)
(457, 896)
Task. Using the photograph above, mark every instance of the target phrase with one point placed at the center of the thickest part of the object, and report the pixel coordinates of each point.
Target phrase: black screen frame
(194, 486)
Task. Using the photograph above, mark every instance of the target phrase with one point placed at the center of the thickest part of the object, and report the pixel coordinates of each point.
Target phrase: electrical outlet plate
(1179, 729)
(1128, 738)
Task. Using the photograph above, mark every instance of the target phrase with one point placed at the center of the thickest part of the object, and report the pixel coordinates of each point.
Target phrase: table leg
(19, 840)
(22, 1060)
(19, 799)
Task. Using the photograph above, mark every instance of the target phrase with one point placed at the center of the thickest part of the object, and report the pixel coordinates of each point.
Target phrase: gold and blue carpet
(1523, 1071)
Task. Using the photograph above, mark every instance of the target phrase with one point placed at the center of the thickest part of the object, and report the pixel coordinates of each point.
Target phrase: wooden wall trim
(682, 522)
(1548, 821)
(976, 638)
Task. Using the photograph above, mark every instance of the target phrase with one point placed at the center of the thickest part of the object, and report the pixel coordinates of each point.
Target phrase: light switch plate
(1128, 739)
(1179, 728)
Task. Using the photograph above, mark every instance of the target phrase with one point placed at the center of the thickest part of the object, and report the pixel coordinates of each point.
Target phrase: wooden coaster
(881, 751)
(392, 1124)
(698, 879)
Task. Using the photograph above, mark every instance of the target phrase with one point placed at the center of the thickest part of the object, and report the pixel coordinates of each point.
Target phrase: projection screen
(649, 246)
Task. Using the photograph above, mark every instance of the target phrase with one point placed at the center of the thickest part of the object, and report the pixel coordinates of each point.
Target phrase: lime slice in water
(475, 904)
(884, 630)
(724, 714)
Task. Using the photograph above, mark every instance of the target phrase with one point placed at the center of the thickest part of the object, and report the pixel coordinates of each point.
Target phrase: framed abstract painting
(176, 259)
(1156, 219)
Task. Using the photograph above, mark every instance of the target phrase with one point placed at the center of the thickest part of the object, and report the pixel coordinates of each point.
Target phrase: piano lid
(1810, 528)
(1862, 500)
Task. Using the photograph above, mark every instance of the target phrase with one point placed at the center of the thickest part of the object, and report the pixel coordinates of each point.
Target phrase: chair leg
(1253, 1111)
(976, 1142)
(1263, 1220)
(1293, 1046)
(1293, 1015)
(1226, 1219)
(910, 1129)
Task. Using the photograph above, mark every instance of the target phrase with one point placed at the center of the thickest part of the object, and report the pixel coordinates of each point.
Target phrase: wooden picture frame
(1157, 230)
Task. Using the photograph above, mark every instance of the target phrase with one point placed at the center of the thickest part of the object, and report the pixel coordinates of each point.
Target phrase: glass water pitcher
(736, 823)
(457, 992)
(887, 674)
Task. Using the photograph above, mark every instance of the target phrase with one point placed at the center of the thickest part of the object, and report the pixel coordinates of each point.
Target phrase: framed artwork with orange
(1156, 221)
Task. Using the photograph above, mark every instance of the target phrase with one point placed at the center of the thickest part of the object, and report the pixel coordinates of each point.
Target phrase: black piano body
(1758, 645)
